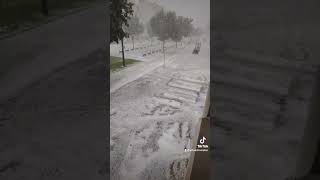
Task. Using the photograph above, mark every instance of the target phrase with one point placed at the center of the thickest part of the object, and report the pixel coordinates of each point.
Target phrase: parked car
(195, 51)
(197, 48)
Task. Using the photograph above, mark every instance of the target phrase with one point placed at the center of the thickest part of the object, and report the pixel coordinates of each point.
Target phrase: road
(152, 117)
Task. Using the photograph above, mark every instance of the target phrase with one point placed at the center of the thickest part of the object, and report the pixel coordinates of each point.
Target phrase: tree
(173, 27)
(159, 26)
(187, 27)
(165, 25)
(177, 30)
(121, 10)
(134, 28)
(151, 34)
(197, 31)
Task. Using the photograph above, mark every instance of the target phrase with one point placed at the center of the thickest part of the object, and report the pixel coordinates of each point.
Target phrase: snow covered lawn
(116, 63)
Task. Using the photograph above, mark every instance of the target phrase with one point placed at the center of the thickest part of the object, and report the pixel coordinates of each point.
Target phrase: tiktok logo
(202, 140)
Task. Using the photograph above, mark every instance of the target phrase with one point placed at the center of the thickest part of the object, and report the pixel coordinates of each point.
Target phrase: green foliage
(166, 25)
(187, 27)
(121, 10)
(174, 31)
(177, 29)
(159, 26)
(134, 26)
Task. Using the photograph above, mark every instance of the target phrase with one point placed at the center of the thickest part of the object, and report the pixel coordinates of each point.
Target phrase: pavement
(147, 65)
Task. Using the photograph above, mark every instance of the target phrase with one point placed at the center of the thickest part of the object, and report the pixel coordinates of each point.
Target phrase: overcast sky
(199, 10)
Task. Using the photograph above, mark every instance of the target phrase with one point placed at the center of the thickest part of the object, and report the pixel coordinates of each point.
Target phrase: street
(152, 117)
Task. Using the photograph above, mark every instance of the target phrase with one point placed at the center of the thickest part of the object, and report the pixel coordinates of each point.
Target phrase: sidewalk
(148, 64)
(31, 55)
(127, 75)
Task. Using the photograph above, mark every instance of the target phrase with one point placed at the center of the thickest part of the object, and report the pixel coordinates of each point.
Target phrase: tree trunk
(123, 60)
(176, 44)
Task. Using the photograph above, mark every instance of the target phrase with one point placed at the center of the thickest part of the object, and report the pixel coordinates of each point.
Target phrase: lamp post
(164, 54)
